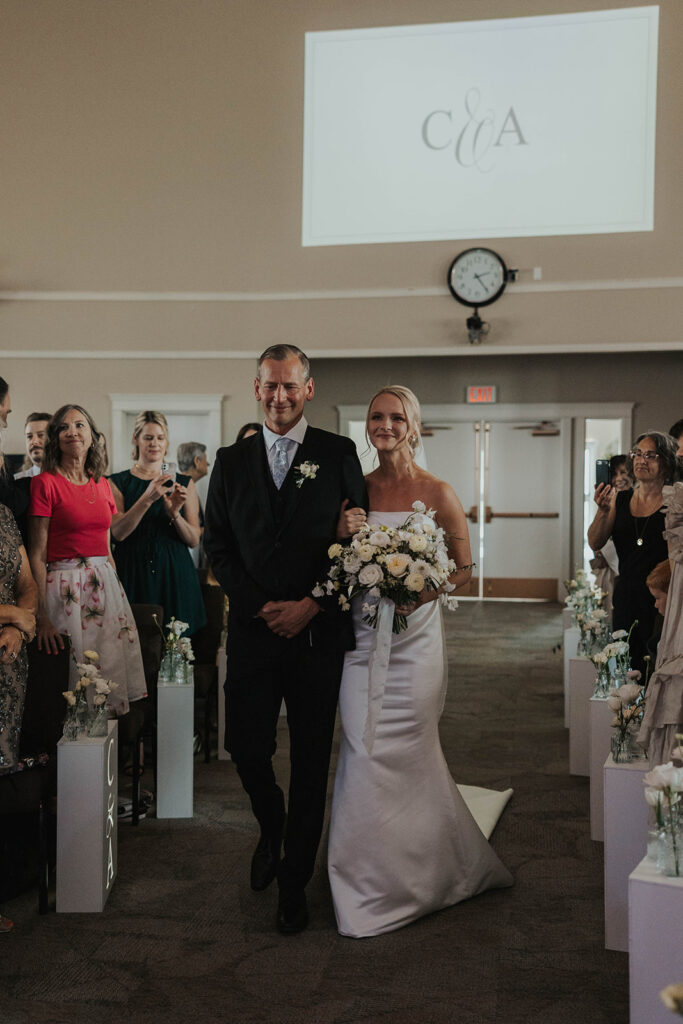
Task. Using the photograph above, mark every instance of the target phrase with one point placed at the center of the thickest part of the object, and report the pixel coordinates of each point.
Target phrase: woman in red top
(78, 590)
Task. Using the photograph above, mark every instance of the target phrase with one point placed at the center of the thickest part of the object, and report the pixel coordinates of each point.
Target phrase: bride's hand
(420, 599)
(350, 520)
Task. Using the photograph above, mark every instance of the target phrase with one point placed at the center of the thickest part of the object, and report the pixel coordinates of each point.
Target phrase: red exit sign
(481, 394)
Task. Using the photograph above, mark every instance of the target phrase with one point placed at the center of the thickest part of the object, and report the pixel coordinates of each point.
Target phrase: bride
(402, 840)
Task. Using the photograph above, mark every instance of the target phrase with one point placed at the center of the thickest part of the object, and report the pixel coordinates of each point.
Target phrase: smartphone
(169, 467)
(602, 473)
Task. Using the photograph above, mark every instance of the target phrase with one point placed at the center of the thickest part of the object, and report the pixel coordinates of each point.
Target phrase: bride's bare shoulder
(439, 494)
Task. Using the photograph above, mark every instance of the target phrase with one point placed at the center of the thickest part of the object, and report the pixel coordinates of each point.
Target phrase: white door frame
(571, 417)
(209, 405)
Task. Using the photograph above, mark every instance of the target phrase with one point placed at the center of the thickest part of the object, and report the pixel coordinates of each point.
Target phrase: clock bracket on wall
(477, 277)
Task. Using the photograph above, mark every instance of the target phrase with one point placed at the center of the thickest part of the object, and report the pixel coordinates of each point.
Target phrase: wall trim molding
(458, 349)
(519, 287)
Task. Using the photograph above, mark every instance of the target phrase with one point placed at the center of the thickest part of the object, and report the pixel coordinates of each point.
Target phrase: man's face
(283, 392)
(201, 465)
(36, 436)
(5, 410)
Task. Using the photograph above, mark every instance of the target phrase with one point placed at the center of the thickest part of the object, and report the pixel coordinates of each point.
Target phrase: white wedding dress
(403, 842)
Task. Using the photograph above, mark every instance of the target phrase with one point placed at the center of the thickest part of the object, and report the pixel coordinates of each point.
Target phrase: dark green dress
(152, 562)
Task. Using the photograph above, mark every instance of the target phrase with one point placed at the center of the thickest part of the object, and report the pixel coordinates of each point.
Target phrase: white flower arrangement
(663, 791)
(380, 561)
(77, 699)
(305, 471)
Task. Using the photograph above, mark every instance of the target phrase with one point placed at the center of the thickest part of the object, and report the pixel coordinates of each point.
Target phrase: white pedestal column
(175, 760)
(581, 686)
(655, 907)
(626, 815)
(570, 644)
(87, 799)
(600, 734)
(567, 618)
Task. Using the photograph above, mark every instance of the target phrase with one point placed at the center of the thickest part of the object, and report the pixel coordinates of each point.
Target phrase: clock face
(477, 277)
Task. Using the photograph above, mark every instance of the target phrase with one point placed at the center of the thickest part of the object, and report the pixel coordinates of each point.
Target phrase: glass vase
(99, 721)
(603, 682)
(624, 747)
(71, 725)
(670, 851)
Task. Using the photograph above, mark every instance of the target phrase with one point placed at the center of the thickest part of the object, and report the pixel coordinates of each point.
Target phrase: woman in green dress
(156, 525)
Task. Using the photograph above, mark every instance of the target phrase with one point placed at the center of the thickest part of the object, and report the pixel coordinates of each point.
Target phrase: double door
(508, 475)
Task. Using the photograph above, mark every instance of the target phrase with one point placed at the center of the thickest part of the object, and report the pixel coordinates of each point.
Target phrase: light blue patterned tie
(280, 462)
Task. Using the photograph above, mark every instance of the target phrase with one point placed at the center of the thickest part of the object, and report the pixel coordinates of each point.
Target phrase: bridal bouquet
(396, 563)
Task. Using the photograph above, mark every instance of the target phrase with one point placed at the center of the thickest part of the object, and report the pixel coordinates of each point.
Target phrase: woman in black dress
(635, 522)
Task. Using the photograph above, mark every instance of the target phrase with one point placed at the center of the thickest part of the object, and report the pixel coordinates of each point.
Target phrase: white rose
(619, 634)
(428, 526)
(370, 575)
(352, 563)
(397, 564)
(99, 699)
(365, 552)
(419, 506)
(665, 776)
(417, 543)
(415, 582)
(379, 539)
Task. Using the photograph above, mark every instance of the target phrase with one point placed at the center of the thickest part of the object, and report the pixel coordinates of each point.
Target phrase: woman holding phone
(156, 524)
(635, 522)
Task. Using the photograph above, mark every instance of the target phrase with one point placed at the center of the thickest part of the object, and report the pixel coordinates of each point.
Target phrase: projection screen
(484, 129)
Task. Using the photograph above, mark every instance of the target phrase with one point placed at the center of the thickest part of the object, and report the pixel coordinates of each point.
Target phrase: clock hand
(479, 276)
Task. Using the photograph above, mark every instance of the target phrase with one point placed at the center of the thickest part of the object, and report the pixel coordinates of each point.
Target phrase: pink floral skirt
(86, 600)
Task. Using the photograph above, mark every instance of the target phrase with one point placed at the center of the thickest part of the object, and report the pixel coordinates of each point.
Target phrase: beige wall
(154, 147)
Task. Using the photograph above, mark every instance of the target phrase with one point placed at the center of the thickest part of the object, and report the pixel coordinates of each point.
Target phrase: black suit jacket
(264, 545)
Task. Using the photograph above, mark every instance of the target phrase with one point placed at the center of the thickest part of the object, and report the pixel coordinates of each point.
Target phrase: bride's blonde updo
(411, 408)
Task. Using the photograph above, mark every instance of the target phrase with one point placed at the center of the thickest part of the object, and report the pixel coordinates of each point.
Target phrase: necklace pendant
(639, 542)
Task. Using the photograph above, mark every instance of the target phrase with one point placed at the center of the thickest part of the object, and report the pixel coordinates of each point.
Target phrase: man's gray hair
(187, 453)
(281, 352)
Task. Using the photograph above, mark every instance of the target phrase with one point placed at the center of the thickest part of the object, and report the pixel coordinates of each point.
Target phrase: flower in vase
(628, 692)
(665, 776)
(91, 656)
(99, 699)
(70, 698)
(672, 997)
(619, 634)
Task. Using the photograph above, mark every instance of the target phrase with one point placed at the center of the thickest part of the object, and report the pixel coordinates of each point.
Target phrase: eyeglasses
(648, 456)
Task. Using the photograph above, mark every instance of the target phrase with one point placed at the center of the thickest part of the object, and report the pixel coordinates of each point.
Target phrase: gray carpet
(184, 939)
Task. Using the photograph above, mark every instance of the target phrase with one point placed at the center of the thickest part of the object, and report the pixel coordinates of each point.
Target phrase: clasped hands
(288, 618)
(12, 634)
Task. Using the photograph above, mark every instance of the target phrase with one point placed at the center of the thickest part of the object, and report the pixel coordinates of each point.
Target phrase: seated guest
(156, 524)
(35, 431)
(78, 590)
(192, 460)
(247, 430)
(677, 433)
(635, 521)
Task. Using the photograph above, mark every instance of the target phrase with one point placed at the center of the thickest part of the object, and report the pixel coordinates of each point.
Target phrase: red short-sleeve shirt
(80, 515)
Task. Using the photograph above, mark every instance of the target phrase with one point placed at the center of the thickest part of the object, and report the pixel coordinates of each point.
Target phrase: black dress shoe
(264, 863)
(292, 911)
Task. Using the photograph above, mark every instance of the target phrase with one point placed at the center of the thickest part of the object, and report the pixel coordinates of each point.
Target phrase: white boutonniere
(305, 471)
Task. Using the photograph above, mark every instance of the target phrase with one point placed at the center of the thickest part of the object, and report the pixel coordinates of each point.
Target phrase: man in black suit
(272, 511)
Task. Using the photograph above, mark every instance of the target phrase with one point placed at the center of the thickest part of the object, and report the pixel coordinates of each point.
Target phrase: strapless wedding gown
(402, 841)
